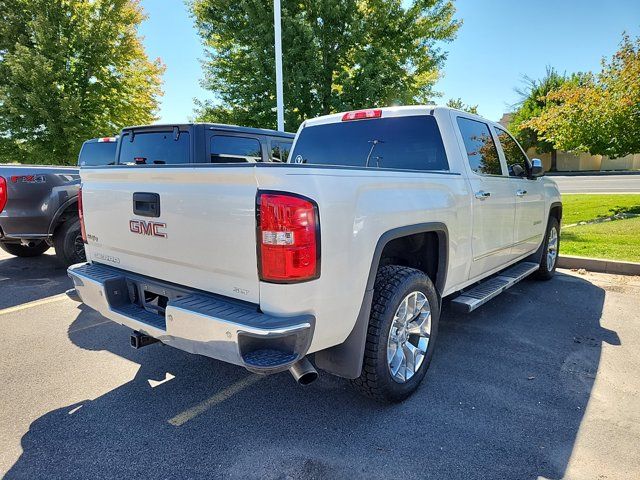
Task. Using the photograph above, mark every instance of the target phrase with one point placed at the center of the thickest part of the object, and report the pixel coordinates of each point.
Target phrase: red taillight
(83, 232)
(3, 193)
(288, 238)
(362, 114)
(107, 139)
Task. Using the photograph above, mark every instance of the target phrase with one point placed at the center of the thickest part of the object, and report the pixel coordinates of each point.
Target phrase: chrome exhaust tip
(303, 372)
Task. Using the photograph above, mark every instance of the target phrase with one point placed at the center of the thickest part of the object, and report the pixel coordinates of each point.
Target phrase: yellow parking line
(219, 397)
(36, 303)
(79, 329)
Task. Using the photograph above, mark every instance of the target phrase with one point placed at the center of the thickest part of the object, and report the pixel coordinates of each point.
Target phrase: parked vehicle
(39, 206)
(202, 143)
(345, 253)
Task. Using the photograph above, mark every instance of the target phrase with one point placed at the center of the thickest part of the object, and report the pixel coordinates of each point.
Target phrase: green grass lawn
(582, 208)
(617, 239)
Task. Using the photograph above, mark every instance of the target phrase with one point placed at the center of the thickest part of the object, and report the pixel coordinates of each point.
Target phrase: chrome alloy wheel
(552, 248)
(409, 336)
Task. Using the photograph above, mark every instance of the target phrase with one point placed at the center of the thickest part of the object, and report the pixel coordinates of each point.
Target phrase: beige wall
(630, 162)
(570, 162)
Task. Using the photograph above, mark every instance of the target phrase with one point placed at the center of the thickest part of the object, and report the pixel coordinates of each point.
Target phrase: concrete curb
(599, 265)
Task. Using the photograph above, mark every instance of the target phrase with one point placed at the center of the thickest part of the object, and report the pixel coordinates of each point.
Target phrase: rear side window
(97, 153)
(408, 143)
(234, 149)
(280, 151)
(154, 148)
(517, 162)
(481, 150)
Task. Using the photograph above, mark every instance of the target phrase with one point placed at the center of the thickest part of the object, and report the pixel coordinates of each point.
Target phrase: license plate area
(152, 297)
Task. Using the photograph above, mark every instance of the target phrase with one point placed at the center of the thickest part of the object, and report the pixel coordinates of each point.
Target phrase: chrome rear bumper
(193, 321)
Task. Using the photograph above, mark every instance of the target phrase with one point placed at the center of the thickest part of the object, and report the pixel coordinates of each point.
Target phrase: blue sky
(499, 42)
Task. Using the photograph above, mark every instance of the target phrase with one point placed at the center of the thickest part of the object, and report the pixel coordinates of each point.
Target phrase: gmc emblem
(152, 229)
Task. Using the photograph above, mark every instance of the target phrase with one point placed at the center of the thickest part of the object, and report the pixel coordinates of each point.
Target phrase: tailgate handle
(146, 204)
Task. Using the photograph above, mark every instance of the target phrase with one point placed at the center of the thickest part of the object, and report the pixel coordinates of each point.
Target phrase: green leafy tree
(337, 55)
(460, 105)
(533, 102)
(71, 70)
(600, 113)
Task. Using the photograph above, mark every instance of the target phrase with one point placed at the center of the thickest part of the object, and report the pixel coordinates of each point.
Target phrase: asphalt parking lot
(542, 382)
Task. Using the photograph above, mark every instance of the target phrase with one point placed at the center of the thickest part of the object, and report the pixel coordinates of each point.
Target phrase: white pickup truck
(344, 253)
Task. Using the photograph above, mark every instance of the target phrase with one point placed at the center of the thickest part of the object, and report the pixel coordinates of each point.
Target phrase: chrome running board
(476, 296)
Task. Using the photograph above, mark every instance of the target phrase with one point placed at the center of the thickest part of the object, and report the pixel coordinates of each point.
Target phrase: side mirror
(537, 169)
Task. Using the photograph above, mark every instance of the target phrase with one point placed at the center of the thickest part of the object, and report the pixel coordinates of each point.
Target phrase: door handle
(481, 194)
(146, 204)
(521, 193)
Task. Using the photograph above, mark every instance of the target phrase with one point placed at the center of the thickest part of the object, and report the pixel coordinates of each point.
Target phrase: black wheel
(550, 250)
(402, 331)
(68, 243)
(34, 249)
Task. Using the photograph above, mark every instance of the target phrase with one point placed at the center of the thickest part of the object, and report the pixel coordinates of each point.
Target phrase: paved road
(541, 382)
(598, 183)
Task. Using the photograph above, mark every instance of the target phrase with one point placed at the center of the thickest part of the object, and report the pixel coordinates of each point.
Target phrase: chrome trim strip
(493, 252)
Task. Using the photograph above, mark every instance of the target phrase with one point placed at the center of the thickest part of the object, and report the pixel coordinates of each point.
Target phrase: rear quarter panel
(356, 208)
(34, 197)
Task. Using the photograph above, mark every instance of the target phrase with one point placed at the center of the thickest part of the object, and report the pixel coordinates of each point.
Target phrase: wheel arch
(437, 229)
(65, 211)
(555, 210)
(345, 359)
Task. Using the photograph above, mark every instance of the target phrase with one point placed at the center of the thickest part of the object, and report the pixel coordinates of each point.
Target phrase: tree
(337, 55)
(533, 102)
(460, 105)
(71, 70)
(600, 113)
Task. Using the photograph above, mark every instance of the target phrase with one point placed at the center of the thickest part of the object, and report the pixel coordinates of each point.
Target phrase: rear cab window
(280, 150)
(480, 148)
(405, 143)
(235, 149)
(94, 153)
(154, 147)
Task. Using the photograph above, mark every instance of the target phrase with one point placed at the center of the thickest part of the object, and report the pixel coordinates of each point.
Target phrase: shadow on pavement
(24, 280)
(504, 398)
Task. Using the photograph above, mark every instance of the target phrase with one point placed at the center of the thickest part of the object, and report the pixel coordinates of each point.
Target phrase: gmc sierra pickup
(344, 254)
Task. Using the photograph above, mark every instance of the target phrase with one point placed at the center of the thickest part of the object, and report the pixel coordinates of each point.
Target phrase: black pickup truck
(39, 205)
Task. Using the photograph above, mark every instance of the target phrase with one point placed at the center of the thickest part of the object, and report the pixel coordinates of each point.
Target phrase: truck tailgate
(203, 236)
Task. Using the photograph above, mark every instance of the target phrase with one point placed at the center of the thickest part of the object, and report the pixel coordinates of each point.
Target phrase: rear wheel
(68, 243)
(34, 249)
(550, 250)
(401, 335)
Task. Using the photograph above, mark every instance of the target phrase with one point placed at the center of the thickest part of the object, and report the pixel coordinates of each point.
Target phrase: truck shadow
(24, 280)
(504, 398)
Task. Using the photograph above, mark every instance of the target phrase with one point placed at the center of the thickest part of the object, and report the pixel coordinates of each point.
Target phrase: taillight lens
(83, 232)
(288, 238)
(3, 193)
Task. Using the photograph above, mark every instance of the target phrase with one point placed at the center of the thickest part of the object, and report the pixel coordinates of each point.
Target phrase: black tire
(19, 250)
(393, 283)
(546, 271)
(68, 243)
